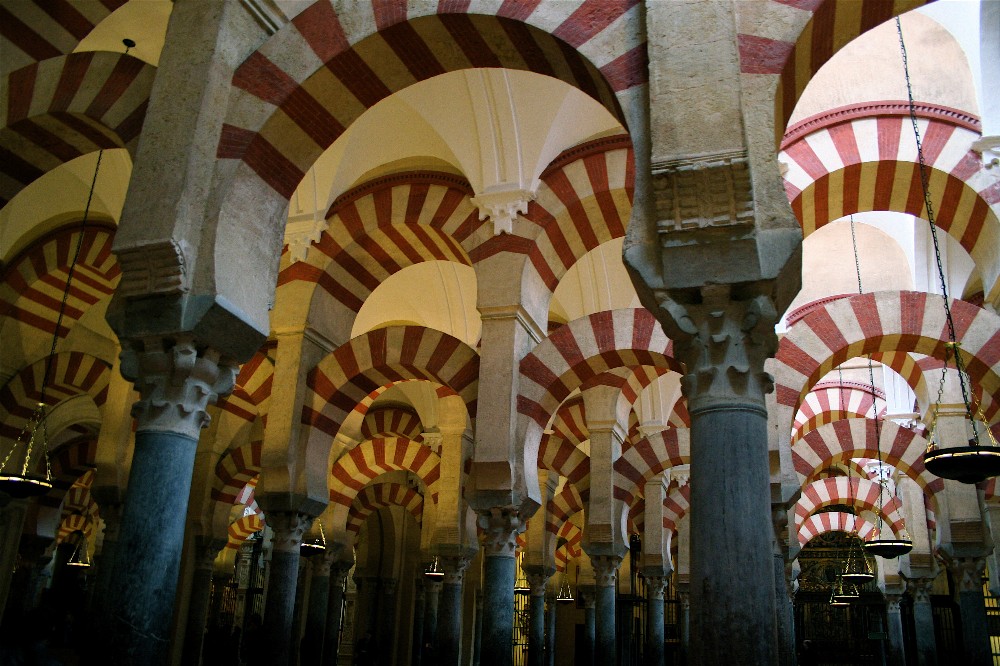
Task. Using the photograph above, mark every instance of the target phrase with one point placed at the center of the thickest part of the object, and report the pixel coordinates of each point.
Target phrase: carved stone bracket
(289, 527)
(989, 148)
(157, 268)
(502, 206)
(723, 340)
(500, 525)
(301, 232)
(605, 569)
(176, 382)
(703, 191)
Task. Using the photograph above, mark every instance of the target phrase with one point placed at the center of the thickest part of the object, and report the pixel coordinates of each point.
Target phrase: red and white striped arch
(830, 401)
(570, 550)
(75, 522)
(242, 528)
(859, 493)
(843, 440)
(237, 467)
(252, 394)
(676, 505)
(584, 350)
(570, 422)
(380, 495)
(881, 322)
(792, 39)
(835, 521)
(68, 106)
(647, 458)
(372, 458)
(33, 284)
(318, 74)
(70, 462)
(71, 374)
(565, 459)
(393, 421)
(563, 506)
(344, 379)
(30, 32)
(584, 199)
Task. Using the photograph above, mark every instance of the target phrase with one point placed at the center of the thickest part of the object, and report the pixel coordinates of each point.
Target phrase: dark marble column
(319, 602)
(606, 575)
(923, 620)
(477, 646)
(385, 633)
(334, 612)
(419, 608)
(205, 552)
(449, 629)
(550, 628)
(967, 574)
(894, 629)
(501, 527)
(655, 586)
(279, 607)
(109, 499)
(684, 620)
(27, 585)
(176, 380)
(585, 651)
(536, 616)
(784, 613)
(431, 608)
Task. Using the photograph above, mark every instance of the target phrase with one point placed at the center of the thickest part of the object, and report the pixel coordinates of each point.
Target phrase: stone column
(724, 340)
(606, 576)
(431, 619)
(176, 381)
(585, 652)
(784, 612)
(386, 635)
(923, 620)
(334, 612)
(282, 580)
(319, 604)
(501, 526)
(655, 586)
(449, 626)
(894, 629)
(550, 627)
(684, 620)
(967, 573)
(477, 647)
(109, 499)
(419, 608)
(205, 552)
(536, 630)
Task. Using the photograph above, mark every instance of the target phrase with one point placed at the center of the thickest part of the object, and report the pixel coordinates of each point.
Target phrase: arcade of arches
(591, 331)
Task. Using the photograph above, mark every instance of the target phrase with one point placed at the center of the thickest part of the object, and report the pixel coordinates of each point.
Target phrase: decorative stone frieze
(176, 382)
(723, 340)
(605, 569)
(500, 526)
(702, 191)
(156, 268)
(289, 527)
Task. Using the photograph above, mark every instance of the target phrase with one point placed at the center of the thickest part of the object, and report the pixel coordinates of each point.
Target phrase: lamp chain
(925, 186)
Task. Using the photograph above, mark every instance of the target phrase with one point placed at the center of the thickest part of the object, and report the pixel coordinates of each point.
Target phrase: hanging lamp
(565, 594)
(81, 554)
(434, 573)
(976, 461)
(893, 547)
(857, 570)
(315, 541)
(842, 595)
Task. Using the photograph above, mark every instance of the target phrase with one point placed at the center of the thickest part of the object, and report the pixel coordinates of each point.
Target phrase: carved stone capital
(703, 192)
(588, 595)
(967, 572)
(453, 567)
(723, 338)
(502, 205)
(500, 526)
(289, 527)
(176, 381)
(920, 589)
(301, 231)
(656, 586)
(537, 582)
(892, 602)
(605, 569)
(206, 549)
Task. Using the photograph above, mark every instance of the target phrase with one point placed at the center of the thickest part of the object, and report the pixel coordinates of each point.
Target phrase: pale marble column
(923, 620)
(176, 380)
(606, 577)
(449, 626)
(655, 587)
(894, 629)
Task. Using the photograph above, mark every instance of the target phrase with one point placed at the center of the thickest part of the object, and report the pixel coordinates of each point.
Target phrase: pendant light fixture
(857, 571)
(891, 547)
(315, 540)
(976, 461)
(434, 573)
(565, 594)
(81, 554)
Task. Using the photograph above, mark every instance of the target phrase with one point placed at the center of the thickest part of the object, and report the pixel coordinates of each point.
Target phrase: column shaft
(589, 638)
(550, 631)
(194, 633)
(654, 620)
(923, 620)
(282, 581)
(147, 561)
(536, 630)
(419, 608)
(334, 613)
(732, 600)
(431, 622)
(449, 626)
(894, 628)
(604, 636)
(319, 602)
(498, 609)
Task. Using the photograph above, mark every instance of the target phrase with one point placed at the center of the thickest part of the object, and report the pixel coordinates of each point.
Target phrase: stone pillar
(684, 620)
(334, 612)
(176, 381)
(419, 608)
(723, 341)
(431, 619)
(109, 499)
(784, 612)
(585, 652)
(205, 552)
(655, 586)
(536, 630)
(477, 646)
(550, 627)
(282, 580)
(385, 637)
(606, 576)
(967, 573)
(894, 629)
(319, 604)
(923, 620)
(501, 526)
(449, 626)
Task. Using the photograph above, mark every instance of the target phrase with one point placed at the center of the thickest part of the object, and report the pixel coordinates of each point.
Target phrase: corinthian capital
(723, 338)
(500, 525)
(176, 381)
